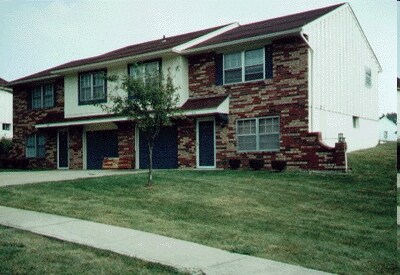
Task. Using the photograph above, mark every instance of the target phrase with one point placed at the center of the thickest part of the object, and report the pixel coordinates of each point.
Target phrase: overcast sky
(36, 35)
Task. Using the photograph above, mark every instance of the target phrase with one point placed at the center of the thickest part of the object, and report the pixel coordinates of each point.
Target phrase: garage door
(100, 144)
(165, 151)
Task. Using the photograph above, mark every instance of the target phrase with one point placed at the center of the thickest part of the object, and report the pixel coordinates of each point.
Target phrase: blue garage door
(100, 144)
(165, 151)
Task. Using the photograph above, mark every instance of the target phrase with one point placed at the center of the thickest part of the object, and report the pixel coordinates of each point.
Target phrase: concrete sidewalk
(185, 256)
(25, 177)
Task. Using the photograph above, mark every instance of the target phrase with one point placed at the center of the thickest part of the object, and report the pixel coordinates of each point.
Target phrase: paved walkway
(24, 177)
(186, 256)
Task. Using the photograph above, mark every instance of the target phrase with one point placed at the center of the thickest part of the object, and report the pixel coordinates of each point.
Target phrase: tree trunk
(150, 178)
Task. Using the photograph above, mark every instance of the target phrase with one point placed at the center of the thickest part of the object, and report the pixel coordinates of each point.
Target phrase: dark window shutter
(268, 62)
(54, 95)
(29, 98)
(218, 69)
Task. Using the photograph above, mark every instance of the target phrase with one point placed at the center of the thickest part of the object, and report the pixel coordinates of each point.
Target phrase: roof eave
(25, 81)
(244, 40)
(111, 61)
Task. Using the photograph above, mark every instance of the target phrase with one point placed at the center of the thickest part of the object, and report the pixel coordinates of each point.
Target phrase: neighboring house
(398, 105)
(6, 110)
(387, 129)
(266, 90)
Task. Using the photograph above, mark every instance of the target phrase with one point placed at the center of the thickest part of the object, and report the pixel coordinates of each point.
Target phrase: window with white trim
(42, 96)
(6, 126)
(368, 77)
(244, 66)
(144, 69)
(35, 146)
(92, 87)
(258, 134)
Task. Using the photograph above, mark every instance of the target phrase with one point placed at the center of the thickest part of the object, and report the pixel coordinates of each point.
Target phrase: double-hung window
(92, 87)
(35, 146)
(142, 70)
(258, 134)
(244, 66)
(43, 96)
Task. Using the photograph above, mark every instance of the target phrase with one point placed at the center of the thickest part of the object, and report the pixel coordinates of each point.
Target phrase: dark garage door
(100, 144)
(165, 151)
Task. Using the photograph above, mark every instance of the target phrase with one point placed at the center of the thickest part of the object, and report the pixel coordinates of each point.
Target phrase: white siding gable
(340, 55)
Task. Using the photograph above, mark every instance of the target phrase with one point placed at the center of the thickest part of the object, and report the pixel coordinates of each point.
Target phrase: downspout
(310, 82)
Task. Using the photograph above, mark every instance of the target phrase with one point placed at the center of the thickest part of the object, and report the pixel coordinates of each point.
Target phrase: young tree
(149, 99)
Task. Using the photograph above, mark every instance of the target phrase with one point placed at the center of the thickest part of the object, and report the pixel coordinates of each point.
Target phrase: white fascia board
(244, 40)
(347, 5)
(193, 42)
(111, 61)
(81, 122)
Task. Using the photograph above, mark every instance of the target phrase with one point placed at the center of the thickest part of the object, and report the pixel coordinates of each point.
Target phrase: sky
(37, 35)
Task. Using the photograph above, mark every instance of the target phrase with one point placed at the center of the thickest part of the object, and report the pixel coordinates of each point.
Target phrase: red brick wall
(285, 96)
(75, 147)
(24, 124)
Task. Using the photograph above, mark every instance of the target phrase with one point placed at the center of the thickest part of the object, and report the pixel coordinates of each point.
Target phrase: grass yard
(336, 223)
(27, 253)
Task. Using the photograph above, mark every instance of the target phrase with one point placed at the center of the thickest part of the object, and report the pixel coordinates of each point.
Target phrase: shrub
(5, 146)
(234, 164)
(278, 165)
(256, 164)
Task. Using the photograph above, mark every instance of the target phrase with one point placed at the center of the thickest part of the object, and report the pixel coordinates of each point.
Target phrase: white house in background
(387, 129)
(398, 105)
(6, 110)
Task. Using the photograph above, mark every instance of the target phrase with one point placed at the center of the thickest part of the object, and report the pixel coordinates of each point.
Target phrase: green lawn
(336, 223)
(28, 253)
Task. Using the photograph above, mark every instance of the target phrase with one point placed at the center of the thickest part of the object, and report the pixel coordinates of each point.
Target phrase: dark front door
(206, 144)
(165, 150)
(63, 149)
(100, 144)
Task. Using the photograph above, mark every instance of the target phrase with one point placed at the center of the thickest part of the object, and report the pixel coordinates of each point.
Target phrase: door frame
(58, 149)
(197, 143)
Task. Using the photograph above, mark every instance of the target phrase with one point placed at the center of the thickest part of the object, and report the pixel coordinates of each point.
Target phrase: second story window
(92, 87)
(141, 70)
(244, 66)
(43, 96)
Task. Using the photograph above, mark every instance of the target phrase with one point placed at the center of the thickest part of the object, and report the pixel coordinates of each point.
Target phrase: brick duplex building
(280, 89)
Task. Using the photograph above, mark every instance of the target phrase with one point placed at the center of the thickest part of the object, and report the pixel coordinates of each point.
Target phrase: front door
(205, 144)
(62, 150)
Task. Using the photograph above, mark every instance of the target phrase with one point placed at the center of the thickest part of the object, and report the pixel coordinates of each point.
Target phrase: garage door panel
(100, 144)
(165, 150)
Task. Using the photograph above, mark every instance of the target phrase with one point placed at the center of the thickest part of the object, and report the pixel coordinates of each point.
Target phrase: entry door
(205, 144)
(63, 150)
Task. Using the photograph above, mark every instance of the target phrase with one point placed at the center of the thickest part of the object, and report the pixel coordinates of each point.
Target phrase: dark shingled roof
(136, 49)
(245, 31)
(203, 102)
(59, 117)
(269, 26)
(3, 82)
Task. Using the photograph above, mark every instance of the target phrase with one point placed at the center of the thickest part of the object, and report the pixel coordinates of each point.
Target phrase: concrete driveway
(24, 177)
